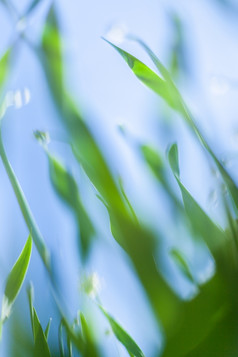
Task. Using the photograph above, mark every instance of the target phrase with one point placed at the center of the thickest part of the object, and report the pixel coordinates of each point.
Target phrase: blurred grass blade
(202, 225)
(180, 261)
(90, 346)
(47, 330)
(4, 67)
(61, 339)
(15, 280)
(25, 209)
(157, 166)
(53, 63)
(33, 5)
(67, 189)
(122, 336)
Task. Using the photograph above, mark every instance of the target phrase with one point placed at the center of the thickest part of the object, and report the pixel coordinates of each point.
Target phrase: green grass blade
(90, 345)
(52, 61)
(15, 279)
(41, 348)
(122, 336)
(47, 329)
(4, 67)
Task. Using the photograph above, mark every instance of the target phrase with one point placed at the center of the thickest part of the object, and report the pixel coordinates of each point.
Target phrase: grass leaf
(122, 336)
(15, 279)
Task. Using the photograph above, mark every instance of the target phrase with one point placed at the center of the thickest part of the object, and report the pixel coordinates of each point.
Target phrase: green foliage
(206, 324)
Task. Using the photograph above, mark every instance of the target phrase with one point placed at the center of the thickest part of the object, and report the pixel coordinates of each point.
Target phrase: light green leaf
(4, 67)
(15, 279)
(127, 341)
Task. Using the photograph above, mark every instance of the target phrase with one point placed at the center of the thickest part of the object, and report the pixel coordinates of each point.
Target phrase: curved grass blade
(15, 280)
(122, 336)
(166, 89)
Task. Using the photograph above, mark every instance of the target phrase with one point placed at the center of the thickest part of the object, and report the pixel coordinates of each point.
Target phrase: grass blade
(15, 280)
(122, 336)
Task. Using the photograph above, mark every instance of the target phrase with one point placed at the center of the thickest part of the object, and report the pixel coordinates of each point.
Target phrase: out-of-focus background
(197, 41)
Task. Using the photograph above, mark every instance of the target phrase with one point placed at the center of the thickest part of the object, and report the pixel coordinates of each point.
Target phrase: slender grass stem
(25, 209)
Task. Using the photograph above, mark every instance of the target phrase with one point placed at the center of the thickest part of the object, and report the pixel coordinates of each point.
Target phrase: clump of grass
(204, 325)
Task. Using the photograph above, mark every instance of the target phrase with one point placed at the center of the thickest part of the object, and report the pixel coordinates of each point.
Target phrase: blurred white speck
(91, 285)
(117, 34)
(21, 25)
(219, 85)
(27, 95)
(18, 99)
